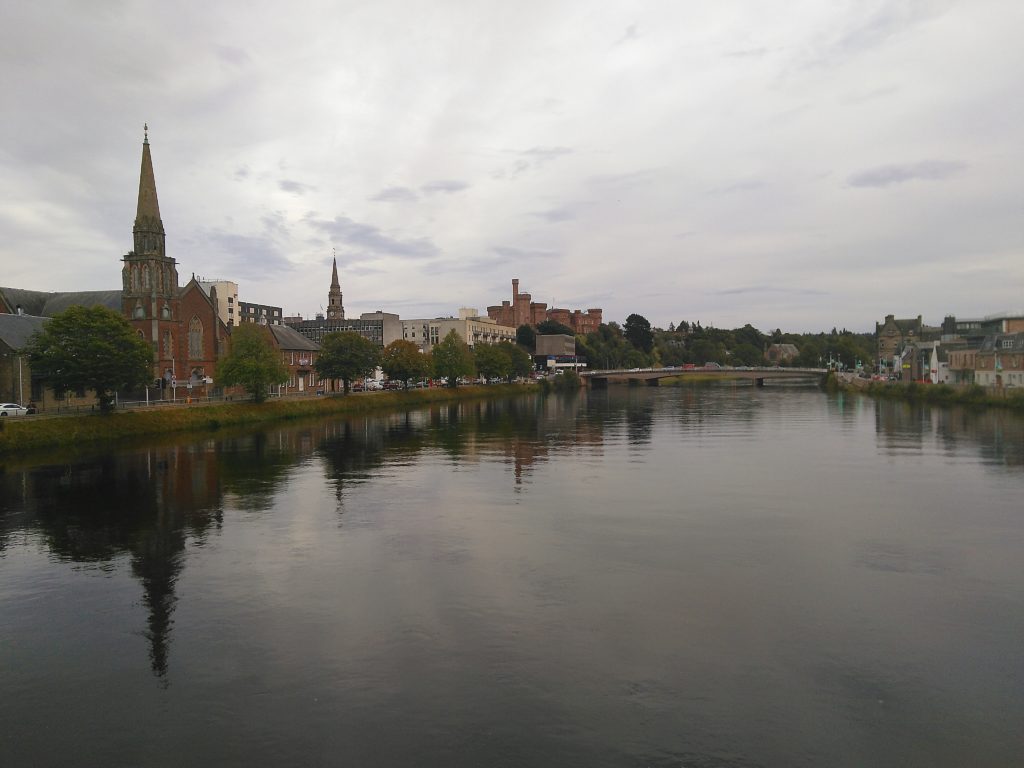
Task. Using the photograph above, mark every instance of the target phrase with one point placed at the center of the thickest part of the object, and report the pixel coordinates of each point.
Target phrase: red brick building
(180, 323)
(523, 311)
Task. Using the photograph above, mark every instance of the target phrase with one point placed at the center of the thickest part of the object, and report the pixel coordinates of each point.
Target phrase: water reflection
(997, 435)
(152, 505)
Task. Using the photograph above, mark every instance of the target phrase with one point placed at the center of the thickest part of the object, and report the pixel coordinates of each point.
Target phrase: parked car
(13, 409)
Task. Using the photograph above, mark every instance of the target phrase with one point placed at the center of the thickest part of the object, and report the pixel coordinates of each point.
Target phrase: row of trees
(94, 348)
(348, 356)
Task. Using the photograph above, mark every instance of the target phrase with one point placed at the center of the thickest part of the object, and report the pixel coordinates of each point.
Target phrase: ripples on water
(649, 577)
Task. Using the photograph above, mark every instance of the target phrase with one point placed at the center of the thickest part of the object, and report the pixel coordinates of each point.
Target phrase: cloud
(885, 175)
(556, 215)
(231, 55)
(369, 237)
(446, 186)
(747, 53)
(395, 195)
(629, 34)
(248, 256)
(531, 160)
(520, 254)
(768, 289)
(752, 185)
(297, 187)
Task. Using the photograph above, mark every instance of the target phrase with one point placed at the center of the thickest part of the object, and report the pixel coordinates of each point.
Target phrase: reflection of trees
(144, 505)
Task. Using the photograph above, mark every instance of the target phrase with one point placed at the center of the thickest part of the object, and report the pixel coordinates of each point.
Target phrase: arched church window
(165, 312)
(135, 277)
(195, 338)
(168, 345)
(145, 275)
(140, 312)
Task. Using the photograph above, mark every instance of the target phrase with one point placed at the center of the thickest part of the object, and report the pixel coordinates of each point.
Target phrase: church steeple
(149, 229)
(335, 309)
(149, 277)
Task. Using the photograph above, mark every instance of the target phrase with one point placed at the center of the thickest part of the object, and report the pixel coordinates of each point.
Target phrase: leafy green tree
(526, 337)
(522, 363)
(453, 358)
(402, 361)
(551, 327)
(252, 363)
(346, 355)
(638, 332)
(90, 348)
(747, 354)
(492, 361)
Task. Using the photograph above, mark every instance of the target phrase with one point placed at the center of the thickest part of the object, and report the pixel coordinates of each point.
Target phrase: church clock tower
(335, 309)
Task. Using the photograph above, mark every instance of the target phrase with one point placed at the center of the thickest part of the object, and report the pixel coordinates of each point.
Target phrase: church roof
(16, 330)
(287, 338)
(49, 303)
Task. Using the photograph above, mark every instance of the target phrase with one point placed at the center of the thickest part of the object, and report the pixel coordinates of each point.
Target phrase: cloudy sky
(796, 164)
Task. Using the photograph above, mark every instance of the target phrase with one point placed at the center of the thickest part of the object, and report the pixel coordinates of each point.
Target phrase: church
(180, 323)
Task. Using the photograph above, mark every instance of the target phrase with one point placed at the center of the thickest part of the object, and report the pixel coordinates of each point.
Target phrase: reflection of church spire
(157, 563)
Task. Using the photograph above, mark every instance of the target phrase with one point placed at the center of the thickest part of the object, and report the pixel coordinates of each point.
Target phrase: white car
(13, 409)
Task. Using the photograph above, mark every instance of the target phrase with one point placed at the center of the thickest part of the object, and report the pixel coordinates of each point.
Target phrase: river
(698, 577)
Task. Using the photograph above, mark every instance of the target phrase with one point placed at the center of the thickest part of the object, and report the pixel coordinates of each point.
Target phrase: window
(1007, 343)
(168, 346)
(139, 313)
(165, 313)
(195, 338)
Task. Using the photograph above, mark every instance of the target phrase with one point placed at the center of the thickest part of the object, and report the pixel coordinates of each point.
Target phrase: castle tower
(335, 309)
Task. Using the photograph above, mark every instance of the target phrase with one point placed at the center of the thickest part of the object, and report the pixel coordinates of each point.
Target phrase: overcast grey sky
(796, 164)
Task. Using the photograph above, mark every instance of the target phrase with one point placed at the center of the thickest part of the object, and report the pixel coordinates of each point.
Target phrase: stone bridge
(651, 376)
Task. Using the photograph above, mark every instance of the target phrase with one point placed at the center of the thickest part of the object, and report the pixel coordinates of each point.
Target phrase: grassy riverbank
(29, 433)
(939, 394)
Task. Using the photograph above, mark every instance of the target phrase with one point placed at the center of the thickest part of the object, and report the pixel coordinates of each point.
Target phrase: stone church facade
(180, 323)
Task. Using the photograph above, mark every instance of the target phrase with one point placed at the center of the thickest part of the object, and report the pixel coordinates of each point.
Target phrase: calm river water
(643, 577)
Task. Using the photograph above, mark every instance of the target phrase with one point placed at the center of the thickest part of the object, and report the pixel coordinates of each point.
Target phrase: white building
(227, 299)
(471, 327)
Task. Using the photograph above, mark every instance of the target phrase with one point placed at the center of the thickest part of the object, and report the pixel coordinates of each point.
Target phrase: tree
(551, 327)
(526, 337)
(522, 363)
(253, 362)
(90, 348)
(346, 355)
(453, 358)
(638, 331)
(402, 360)
(492, 361)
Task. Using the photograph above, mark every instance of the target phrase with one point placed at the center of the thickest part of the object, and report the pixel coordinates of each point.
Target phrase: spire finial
(145, 133)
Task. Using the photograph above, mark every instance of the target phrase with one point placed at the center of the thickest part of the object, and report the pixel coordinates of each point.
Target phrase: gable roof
(16, 330)
(49, 303)
(288, 338)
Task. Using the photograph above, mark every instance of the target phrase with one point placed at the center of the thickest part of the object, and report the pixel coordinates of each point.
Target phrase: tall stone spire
(335, 309)
(149, 229)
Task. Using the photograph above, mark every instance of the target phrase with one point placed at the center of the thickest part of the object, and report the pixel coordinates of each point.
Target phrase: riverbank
(933, 394)
(24, 434)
